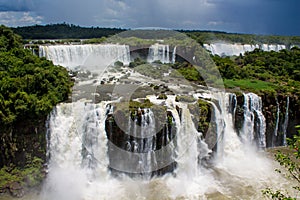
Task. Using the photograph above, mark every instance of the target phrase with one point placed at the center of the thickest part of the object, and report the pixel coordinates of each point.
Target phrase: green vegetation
(291, 164)
(184, 98)
(212, 36)
(64, 31)
(29, 86)
(252, 85)
(201, 113)
(152, 70)
(29, 89)
(67, 31)
(30, 176)
(260, 71)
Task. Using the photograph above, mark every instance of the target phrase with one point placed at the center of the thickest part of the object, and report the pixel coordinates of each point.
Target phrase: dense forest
(29, 86)
(64, 31)
(70, 31)
(29, 89)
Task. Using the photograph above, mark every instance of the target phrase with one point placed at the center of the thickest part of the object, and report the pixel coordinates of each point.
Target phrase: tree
(29, 86)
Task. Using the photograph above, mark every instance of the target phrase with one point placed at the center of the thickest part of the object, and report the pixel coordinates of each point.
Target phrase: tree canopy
(29, 86)
(276, 70)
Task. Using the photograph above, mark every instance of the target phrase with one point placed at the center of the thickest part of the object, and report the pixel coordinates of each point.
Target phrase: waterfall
(91, 160)
(272, 47)
(254, 121)
(77, 136)
(161, 52)
(231, 49)
(187, 158)
(232, 105)
(220, 125)
(286, 119)
(277, 118)
(72, 56)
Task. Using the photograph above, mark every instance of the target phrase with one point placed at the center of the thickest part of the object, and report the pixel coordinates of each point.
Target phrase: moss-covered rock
(185, 98)
(17, 181)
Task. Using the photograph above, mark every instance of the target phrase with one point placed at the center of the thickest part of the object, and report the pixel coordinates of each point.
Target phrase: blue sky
(279, 17)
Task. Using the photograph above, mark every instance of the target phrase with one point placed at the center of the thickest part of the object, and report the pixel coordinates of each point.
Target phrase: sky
(270, 17)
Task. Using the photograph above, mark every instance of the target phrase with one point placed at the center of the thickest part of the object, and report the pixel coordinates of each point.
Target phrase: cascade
(77, 135)
(161, 53)
(286, 120)
(232, 105)
(85, 150)
(272, 47)
(277, 118)
(174, 55)
(220, 125)
(227, 139)
(81, 152)
(254, 126)
(187, 151)
(72, 56)
(231, 49)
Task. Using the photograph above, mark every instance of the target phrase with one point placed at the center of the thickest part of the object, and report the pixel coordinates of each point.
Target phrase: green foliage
(8, 40)
(155, 71)
(260, 71)
(162, 96)
(31, 175)
(212, 36)
(67, 31)
(29, 86)
(136, 62)
(292, 164)
(64, 31)
(94, 40)
(184, 98)
(190, 73)
(134, 105)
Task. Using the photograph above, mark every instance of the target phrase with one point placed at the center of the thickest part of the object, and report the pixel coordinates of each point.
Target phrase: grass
(257, 86)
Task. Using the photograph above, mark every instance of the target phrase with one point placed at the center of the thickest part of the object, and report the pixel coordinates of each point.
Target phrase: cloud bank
(243, 16)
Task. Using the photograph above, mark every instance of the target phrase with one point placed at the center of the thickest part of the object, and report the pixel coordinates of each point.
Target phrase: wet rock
(16, 190)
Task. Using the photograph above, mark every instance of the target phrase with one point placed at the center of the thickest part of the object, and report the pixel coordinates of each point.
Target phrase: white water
(72, 56)
(253, 116)
(228, 49)
(76, 175)
(277, 118)
(286, 120)
(79, 149)
(161, 52)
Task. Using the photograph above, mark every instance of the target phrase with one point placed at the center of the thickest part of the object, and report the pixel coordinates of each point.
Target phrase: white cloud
(19, 18)
(214, 23)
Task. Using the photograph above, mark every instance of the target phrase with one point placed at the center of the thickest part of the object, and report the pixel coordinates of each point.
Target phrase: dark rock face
(139, 52)
(127, 141)
(274, 120)
(22, 142)
(20, 147)
(294, 115)
(280, 121)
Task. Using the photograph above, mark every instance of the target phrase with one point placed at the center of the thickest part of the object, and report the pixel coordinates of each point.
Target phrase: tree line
(64, 31)
(71, 31)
